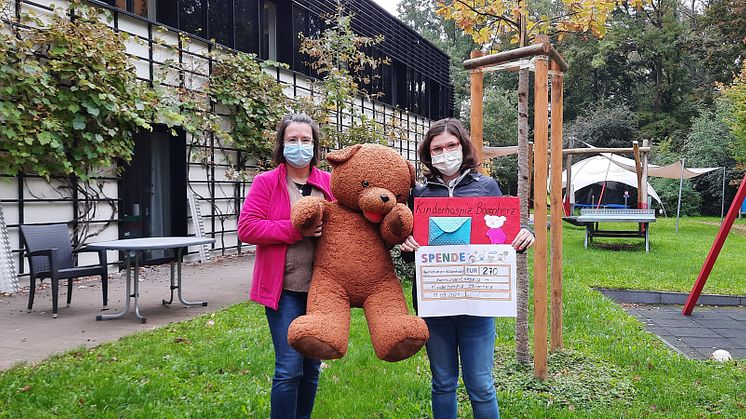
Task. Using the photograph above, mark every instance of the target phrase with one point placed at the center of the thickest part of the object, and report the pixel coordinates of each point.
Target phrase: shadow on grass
(618, 246)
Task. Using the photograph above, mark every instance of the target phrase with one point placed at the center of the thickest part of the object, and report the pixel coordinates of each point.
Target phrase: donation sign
(466, 265)
(478, 280)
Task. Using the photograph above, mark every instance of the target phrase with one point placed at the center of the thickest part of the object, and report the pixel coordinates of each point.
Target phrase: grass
(220, 365)
(673, 263)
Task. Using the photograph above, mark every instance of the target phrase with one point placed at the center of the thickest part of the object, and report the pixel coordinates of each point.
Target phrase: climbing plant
(70, 97)
(255, 98)
(338, 55)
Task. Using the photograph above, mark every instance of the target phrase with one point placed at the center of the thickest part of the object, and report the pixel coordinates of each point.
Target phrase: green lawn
(612, 367)
(673, 263)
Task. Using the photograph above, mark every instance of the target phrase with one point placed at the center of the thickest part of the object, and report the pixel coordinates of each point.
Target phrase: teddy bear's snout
(377, 200)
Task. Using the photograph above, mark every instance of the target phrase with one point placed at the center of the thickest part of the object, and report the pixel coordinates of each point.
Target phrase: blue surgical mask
(298, 155)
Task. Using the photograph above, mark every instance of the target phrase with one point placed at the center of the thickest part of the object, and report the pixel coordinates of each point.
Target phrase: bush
(668, 190)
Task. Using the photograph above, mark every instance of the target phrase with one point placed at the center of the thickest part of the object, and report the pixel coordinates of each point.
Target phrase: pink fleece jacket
(265, 222)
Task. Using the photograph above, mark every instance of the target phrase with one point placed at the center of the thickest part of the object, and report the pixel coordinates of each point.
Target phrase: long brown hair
(278, 154)
(456, 128)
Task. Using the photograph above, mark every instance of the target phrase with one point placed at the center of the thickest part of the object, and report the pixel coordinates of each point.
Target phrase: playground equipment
(717, 245)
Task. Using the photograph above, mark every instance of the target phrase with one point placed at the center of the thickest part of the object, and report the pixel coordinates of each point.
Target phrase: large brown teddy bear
(353, 266)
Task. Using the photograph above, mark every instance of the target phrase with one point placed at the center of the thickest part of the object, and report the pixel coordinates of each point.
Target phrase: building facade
(149, 196)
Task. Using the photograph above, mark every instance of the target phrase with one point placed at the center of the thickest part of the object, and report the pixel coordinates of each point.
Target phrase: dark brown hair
(455, 128)
(278, 156)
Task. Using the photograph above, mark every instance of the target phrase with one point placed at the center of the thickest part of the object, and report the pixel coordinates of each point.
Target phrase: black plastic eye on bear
(366, 184)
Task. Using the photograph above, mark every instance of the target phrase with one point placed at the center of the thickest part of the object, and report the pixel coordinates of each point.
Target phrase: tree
(736, 117)
(605, 125)
(492, 23)
(711, 144)
(339, 57)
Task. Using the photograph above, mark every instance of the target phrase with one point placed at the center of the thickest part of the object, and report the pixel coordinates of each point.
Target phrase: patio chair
(50, 255)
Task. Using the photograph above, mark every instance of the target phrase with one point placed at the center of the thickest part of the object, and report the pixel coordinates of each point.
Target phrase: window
(399, 85)
(167, 12)
(269, 31)
(246, 15)
(433, 89)
(386, 85)
(144, 8)
(300, 17)
(192, 17)
(221, 21)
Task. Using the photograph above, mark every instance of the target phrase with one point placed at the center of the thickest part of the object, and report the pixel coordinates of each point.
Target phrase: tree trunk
(521, 322)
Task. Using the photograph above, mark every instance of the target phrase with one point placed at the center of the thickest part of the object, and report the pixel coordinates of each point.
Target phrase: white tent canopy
(672, 171)
(599, 169)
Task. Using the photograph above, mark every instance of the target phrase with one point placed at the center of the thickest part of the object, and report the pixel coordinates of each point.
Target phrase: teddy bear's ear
(340, 156)
(412, 176)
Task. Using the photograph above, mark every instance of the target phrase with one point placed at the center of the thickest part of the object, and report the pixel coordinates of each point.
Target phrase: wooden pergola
(542, 58)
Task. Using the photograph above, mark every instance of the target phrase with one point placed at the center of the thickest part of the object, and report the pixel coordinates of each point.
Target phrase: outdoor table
(592, 217)
(134, 247)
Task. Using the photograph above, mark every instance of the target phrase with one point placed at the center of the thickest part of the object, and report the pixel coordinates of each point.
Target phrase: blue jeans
(473, 339)
(296, 377)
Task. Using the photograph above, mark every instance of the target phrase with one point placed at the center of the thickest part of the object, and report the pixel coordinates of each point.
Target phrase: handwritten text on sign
(491, 220)
(476, 280)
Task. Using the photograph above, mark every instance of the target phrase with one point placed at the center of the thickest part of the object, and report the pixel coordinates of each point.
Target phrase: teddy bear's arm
(307, 212)
(397, 225)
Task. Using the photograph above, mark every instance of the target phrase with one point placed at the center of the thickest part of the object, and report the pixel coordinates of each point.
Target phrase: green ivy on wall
(70, 98)
(255, 98)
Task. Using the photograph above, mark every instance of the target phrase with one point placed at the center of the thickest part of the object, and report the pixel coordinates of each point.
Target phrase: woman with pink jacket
(284, 256)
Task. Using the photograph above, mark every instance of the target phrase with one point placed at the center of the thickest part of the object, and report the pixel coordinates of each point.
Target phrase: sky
(389, 5)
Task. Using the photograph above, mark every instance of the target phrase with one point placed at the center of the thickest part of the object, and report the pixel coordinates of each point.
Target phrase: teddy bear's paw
(312, 347)
(404, 349)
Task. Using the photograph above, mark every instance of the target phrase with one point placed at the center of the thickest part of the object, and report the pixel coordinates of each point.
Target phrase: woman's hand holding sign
(523, 240)
(410, 245)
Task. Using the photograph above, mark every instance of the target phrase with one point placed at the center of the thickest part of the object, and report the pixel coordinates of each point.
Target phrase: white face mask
(449, 162)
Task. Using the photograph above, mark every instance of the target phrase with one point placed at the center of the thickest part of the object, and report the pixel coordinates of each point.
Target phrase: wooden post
(643, 193)
(638, 171)
(569, 193)
(541, 135)
(477, 109)
(557, 210)
(530, 176)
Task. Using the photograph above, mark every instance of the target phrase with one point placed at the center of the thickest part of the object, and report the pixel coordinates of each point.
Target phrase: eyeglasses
(302, 141)
(434, 151)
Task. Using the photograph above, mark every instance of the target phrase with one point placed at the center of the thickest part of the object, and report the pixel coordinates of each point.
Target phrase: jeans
(473, 339)
(296, 377)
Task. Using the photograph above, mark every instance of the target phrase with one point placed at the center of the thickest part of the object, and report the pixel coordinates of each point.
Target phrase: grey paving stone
(667, 322)
(731, 333)
(696, 354)
(682, 348)
(708, 315)
(720, 323)
(719, 300)
(739, 343)
(660, 331)
(629, 296)
(738, 314)
(716, 343)
(673, 298)
(700, 332)
(738, 353)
